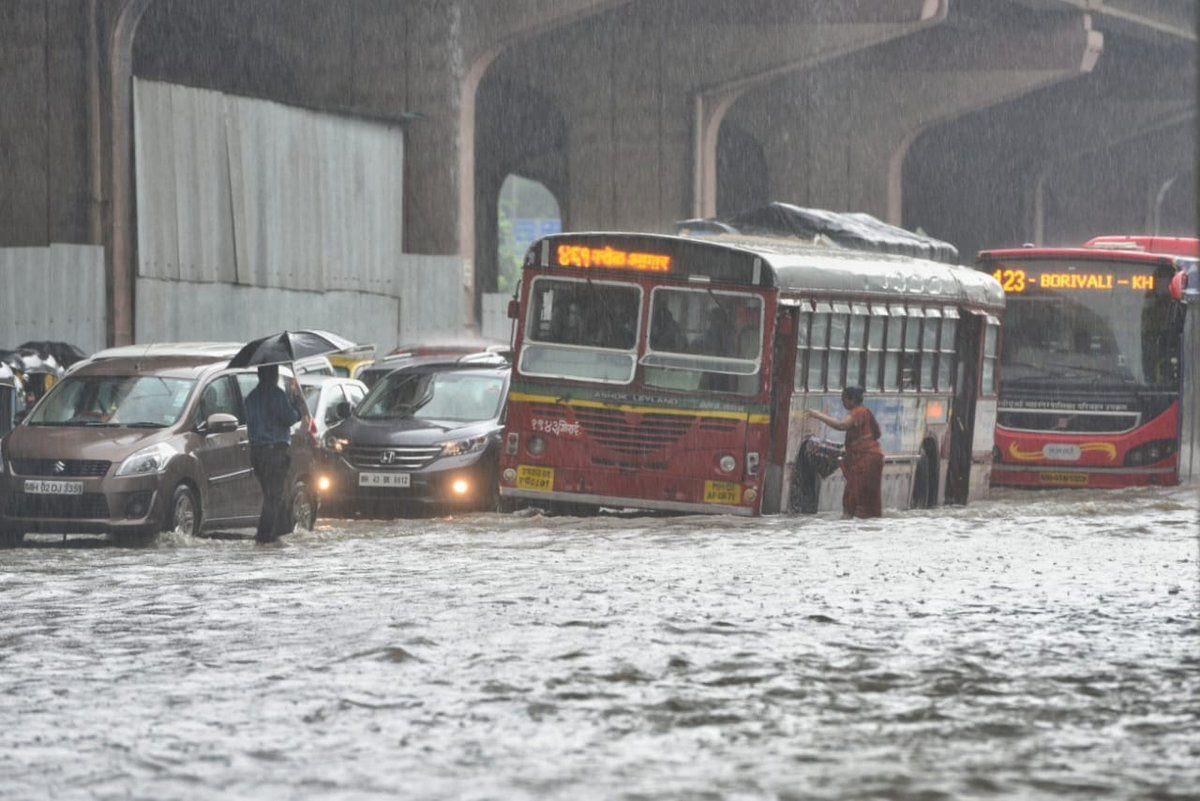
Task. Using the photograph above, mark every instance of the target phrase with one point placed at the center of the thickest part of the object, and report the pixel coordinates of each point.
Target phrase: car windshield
(312, 395)
(704, 340)
(1105, 333)
(449, 397)
(587, 330)
(133, 401)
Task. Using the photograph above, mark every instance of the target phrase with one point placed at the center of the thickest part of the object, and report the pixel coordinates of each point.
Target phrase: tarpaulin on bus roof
(853, 230)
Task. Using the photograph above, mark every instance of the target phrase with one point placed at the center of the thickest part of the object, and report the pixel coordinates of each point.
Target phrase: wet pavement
(1031, 646)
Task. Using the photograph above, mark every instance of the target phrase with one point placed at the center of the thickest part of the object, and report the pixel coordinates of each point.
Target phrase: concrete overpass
(635, 113)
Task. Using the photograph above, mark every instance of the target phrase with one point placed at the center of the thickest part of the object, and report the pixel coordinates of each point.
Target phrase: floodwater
(1035, 645)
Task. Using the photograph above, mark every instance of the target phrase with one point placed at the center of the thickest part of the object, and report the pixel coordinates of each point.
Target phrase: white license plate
(384, 479)
(39, 487)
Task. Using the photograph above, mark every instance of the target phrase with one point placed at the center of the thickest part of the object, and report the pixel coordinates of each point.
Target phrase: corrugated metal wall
(270, 216)
(54, 292)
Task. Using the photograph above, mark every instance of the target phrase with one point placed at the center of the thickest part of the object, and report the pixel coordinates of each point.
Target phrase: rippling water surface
(1034, 645)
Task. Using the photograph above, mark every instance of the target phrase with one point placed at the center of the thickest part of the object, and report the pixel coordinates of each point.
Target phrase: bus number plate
(540, 479)
(1070, 479)
(722, 492)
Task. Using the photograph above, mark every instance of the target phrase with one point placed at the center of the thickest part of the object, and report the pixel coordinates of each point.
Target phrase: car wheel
(11, 539)
(183, 513)
(304, 507)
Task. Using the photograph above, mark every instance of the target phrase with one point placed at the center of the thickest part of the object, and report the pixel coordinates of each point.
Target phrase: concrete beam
(838, 136)
(1080, 127)
(1147, 19)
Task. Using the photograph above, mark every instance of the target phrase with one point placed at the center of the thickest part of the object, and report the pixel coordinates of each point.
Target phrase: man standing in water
(862, 463)
(270, 415)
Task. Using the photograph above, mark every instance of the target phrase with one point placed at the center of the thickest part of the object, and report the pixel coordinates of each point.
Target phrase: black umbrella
(64, 352)
(288, 346)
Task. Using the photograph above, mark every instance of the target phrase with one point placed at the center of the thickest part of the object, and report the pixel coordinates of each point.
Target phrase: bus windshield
(704, 339)
(582, 329)
(1065, 327)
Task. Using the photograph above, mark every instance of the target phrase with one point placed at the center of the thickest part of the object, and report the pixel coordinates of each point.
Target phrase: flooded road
(1034, 645)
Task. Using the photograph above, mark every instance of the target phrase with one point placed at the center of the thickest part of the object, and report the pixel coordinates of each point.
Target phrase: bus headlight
(510, 475)
(727, 464)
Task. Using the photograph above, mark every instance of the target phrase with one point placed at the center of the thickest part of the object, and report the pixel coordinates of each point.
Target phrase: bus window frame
(897, 348)
(929, 351)
(822, 311)
(948, 350)
(762, 318)
(910, 354)
(858, 350)
(528, 337)
(804, 317)
(878, 319)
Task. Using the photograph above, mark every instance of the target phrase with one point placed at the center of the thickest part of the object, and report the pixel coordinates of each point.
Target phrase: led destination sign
(1018, 280)
(608, 258)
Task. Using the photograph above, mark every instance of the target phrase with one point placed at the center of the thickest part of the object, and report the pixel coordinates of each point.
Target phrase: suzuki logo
(60, 468)
(387, 457)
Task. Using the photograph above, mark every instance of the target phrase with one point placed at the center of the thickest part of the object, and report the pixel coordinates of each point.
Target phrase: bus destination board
(608, 258)
(1018, 280)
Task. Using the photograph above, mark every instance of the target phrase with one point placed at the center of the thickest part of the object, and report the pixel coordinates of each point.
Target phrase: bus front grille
(1067, 422)
(633, 434)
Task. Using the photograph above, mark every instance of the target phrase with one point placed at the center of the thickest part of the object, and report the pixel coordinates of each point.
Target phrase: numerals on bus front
(1011, 280)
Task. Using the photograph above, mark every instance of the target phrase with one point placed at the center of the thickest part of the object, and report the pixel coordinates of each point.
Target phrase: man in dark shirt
(270, 415)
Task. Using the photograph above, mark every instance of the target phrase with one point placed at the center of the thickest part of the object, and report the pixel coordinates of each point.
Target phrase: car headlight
(336, 444)
(464, 446)
(147, 461)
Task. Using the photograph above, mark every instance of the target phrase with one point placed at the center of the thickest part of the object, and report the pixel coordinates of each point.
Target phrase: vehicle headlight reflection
(464, 446)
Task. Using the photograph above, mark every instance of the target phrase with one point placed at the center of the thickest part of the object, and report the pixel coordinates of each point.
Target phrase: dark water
(1033, 646)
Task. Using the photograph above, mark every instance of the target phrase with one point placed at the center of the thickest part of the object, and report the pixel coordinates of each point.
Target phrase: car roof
(321, 379)
(174, 366)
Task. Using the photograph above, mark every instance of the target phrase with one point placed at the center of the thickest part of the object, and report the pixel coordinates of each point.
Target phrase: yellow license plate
(722, 492)
(1073, 479)
(540, 479)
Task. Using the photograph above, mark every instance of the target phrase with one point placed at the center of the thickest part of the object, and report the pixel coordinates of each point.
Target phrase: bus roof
(798, 267)
(1144, 249)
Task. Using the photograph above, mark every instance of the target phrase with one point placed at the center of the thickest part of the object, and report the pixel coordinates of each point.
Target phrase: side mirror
(220, 423)
(343, 410)
(514, 309)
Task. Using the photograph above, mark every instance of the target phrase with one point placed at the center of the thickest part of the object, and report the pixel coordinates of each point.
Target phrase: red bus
(671, 373)
(1098, 385)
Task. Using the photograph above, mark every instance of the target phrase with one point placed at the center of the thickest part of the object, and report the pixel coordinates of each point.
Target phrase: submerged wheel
(304, 508)
(805, 494)
(183, 512)
(925, 480)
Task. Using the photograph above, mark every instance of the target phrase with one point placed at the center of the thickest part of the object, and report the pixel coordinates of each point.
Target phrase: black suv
(423, 438)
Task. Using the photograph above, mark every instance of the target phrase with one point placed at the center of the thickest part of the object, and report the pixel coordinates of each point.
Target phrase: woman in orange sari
(863, 463)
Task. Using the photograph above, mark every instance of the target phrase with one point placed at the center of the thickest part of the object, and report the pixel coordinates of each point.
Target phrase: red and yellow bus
(671, 373)
(1098, 363)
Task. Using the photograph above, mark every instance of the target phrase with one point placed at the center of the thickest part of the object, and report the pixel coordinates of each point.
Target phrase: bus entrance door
(962, 417)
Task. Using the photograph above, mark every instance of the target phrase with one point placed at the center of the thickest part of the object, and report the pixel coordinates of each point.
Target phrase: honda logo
(60, 468)
(387, 457)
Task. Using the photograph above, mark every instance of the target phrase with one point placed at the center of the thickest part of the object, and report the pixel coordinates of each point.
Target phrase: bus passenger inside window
(704, 340)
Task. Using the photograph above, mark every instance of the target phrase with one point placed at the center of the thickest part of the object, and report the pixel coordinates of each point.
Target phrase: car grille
(70, 467)
(88, 505)
(402, 457)
(1067, 421)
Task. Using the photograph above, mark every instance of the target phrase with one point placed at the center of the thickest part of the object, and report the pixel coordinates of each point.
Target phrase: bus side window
(817, 341)
(912, 349)
(929, 347)
(855, 345)
(991, 341)
(946, 357)
(877, 325)
(802, 322)
(838, 324)
(893, 347)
